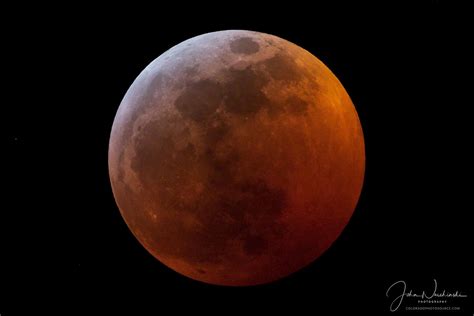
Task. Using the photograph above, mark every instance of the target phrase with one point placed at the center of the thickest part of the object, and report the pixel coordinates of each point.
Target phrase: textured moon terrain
(236, 158)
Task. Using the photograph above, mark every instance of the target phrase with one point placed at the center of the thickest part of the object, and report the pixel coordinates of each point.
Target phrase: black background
(64, 241)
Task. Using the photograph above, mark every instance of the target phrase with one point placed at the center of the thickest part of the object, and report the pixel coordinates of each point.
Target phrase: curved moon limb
(236, 158)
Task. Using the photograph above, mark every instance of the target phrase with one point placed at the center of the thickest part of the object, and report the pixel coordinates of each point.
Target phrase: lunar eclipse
(236, 158)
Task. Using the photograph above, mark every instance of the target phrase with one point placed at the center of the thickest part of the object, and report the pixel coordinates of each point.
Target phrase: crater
(283, 67)
(244, 45)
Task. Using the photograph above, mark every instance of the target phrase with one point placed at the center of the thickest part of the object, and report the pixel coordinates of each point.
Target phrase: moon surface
(236, 158)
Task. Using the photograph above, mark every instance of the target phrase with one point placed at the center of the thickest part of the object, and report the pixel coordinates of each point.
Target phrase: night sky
(63, 238)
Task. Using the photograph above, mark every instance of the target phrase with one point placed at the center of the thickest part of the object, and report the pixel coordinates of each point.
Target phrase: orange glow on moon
(236, 158)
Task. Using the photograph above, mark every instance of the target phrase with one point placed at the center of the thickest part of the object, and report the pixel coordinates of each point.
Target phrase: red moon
(236, 158)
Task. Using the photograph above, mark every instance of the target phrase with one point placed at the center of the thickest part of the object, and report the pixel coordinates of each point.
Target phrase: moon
(236, 158)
